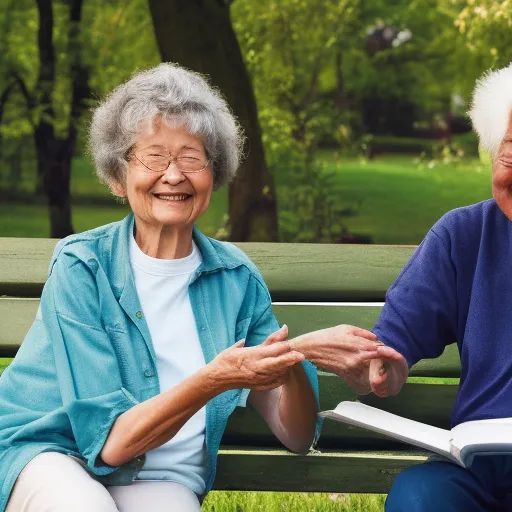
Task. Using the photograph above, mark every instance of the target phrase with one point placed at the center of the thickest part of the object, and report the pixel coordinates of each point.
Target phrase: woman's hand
(387, 373)
(344, 350)
(259, 368)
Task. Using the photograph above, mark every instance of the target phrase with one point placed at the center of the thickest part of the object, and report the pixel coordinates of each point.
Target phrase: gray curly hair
(182, 97)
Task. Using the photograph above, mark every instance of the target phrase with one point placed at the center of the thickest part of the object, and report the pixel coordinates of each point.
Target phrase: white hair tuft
(491, 108)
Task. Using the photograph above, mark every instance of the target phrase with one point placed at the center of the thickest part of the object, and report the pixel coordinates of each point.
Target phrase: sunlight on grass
(221, 501)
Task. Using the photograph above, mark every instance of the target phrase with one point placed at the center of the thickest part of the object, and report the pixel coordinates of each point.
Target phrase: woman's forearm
(289, 410)
(298, 410)
(154, 422)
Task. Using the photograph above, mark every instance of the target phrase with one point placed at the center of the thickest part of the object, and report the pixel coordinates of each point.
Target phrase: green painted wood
(4, 363)
(428, 403)
(307, 318)
(16, 317)
(340, 472)
(18, 314)
(24, 265)
(293, 272)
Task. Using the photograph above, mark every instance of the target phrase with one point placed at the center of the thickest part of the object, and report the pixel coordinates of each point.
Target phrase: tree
(54, 152)
(199, 35)
(54, 124)
(486, 30)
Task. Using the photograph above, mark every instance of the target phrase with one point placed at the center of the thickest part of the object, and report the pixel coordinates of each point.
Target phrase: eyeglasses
(157, 162)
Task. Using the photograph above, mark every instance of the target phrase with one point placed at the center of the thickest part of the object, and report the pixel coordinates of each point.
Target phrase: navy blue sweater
(457, 287)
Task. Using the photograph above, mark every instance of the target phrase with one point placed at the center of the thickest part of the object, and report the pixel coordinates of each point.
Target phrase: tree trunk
(54, 155)
(198, 35)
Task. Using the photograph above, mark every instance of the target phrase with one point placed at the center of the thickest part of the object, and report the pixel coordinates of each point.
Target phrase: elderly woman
(457, 288)
(149, 333)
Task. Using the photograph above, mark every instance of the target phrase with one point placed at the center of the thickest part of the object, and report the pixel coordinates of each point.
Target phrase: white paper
(409, 431)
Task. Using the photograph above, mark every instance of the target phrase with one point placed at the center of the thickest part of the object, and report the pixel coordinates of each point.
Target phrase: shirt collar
(215, 255)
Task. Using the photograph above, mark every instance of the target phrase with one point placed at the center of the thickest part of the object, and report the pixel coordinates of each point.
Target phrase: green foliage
(117, 39)
(288, 46)
(486, 27)
(312, 75)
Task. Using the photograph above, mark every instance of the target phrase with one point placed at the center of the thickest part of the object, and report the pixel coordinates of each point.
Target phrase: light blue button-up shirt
(88, 356)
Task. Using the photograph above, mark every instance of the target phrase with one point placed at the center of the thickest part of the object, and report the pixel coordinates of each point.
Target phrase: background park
(354, 111)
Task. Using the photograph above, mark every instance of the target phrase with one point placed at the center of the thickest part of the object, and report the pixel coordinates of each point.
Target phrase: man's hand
(344, 350)
(388, 372)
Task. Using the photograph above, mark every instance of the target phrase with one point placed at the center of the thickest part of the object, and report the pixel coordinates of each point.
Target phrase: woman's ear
(118, 189)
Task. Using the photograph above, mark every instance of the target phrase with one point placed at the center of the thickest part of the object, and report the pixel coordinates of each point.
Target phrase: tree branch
(79, 73)
(29, 99)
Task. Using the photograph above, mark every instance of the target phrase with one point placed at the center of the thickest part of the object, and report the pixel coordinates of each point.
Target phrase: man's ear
(118, 189)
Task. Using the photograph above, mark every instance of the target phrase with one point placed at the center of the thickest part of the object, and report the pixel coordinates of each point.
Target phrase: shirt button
(148, 373)
(139, 314)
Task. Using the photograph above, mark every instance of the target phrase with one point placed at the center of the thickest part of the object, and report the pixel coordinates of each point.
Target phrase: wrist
(219, 378)
(303, 345)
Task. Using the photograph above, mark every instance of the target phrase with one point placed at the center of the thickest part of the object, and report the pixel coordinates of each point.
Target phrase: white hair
(491, 108)
(182, 97)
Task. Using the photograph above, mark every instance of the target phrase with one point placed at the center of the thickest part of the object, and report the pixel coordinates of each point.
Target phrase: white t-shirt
(162, 287)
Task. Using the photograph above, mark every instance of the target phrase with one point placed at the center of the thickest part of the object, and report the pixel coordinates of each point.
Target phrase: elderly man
(457, 287)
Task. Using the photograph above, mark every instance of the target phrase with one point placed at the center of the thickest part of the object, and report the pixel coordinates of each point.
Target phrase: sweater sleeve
(87, 368)
(420, 314)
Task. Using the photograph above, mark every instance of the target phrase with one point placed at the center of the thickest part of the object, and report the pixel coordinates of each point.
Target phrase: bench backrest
(312, 286)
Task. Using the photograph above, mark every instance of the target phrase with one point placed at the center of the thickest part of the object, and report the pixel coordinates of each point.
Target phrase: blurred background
(355, 110)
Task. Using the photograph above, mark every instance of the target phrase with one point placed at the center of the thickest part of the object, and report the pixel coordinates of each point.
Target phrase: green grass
(31, 220)
(398, 199)
(220, 501)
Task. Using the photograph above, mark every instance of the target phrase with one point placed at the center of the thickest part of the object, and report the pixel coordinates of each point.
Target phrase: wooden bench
(312, 286)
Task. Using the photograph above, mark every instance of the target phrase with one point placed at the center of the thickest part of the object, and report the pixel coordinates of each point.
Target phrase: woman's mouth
(173, 197)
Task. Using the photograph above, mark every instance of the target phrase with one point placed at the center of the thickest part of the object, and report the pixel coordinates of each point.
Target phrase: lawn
(219, 501)
(396, 200)
(400, 199)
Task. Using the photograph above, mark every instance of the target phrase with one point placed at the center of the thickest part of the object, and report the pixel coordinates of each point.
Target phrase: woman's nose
(173, 174)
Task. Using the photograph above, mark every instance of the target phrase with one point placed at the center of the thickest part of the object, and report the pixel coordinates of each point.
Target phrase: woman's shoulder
(93, 244)
(227, 255)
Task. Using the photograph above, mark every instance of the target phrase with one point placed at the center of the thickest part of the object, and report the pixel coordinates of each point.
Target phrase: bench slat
(340, 472)
(293, 272)
(18, 314)
(428, 403)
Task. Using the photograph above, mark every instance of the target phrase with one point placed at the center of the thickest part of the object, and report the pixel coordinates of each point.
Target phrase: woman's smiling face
(502, 174)
(170, 198)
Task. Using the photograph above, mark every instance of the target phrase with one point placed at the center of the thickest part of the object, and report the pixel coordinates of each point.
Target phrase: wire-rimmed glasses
(157, 161)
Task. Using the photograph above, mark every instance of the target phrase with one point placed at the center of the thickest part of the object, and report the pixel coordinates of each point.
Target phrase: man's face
(502, 174)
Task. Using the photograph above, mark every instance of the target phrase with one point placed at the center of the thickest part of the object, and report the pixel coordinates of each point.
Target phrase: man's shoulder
(471, 220)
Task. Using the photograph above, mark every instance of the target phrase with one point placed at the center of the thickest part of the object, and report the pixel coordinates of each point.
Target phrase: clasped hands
(352, 353)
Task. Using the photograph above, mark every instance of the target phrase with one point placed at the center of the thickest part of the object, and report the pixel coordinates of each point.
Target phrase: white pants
(54, 482)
